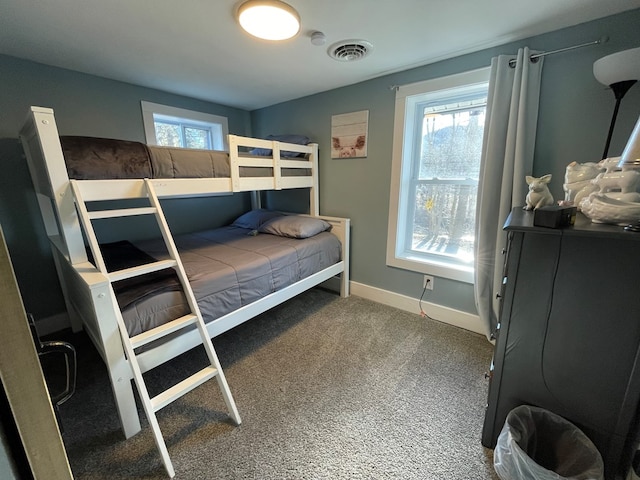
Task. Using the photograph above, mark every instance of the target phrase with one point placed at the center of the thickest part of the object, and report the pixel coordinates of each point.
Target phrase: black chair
(69, 353)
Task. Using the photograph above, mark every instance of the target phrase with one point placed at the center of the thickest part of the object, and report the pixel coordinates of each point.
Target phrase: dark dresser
(569, 333)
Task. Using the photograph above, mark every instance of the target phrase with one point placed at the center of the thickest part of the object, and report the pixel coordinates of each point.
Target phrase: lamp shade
(631, 154)
(269, 19)
(620, 71)
(618, 67)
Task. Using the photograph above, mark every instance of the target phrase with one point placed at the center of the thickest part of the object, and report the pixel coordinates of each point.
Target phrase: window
(439, 127)
(177, 127)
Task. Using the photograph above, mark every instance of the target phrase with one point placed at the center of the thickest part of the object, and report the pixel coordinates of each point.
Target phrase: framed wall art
(349, 134)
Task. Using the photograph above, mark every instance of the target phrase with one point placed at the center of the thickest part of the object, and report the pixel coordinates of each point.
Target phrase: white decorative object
(624, 182)
(616, 199)
(583, 194)
(539, 194)
(577, 176)
(624, 197)
(609, 164)
(600, 208)
(613, 196)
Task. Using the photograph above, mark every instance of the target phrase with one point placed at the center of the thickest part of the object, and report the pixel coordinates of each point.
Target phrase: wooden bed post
(118, 368)
(51, 183)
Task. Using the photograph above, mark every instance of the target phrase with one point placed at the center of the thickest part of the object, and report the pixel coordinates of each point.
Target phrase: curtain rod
(534, 57)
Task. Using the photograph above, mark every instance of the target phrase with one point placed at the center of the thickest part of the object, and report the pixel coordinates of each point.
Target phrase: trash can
(536, 444)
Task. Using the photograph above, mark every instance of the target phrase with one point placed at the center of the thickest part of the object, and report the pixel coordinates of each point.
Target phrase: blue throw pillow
(254, 218)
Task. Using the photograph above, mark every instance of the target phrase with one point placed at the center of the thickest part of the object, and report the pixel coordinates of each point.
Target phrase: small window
(177, 127)
(436, 166)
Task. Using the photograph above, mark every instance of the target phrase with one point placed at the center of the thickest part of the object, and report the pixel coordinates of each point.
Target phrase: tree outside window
(446, 186)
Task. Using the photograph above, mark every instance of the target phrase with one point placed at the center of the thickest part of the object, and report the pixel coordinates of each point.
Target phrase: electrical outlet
(427, 282)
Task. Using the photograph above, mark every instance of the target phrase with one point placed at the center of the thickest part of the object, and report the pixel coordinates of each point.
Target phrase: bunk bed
(57, 178)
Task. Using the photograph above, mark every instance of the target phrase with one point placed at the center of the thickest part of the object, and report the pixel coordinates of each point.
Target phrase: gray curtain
(507, 157)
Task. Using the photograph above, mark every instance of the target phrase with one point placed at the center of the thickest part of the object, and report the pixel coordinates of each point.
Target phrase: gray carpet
(328, 388)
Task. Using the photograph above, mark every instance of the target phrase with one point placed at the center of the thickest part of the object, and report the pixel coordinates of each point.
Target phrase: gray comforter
(227, 268)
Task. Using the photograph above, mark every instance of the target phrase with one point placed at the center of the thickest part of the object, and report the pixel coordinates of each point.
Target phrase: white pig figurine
(539, 194)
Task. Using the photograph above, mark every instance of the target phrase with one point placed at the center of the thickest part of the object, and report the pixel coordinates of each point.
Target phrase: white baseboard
(457, 318)
(447, 315)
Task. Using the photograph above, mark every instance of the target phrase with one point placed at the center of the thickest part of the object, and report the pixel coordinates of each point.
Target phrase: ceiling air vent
(350, 50)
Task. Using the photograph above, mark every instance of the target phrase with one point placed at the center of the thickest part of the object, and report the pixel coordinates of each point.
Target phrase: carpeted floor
(328, 388)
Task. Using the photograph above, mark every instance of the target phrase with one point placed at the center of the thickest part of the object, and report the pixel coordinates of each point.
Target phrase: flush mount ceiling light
(269, 19)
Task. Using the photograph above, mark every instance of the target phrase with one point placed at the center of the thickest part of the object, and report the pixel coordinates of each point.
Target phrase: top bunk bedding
(106, 169)
(93, 158)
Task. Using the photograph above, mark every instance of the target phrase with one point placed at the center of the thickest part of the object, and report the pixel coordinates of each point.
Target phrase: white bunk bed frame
(86, 290)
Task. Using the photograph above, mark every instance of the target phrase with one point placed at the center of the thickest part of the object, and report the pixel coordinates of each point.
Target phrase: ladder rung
(163, 330)
(185, 386)
(141, 270)
(121, 212)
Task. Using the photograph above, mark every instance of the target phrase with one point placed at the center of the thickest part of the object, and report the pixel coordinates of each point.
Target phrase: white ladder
(152, 405)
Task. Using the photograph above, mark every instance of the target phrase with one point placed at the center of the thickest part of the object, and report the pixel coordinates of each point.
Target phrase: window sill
(438, 269)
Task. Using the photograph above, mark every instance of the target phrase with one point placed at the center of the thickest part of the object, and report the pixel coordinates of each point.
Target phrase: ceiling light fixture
(269, 19)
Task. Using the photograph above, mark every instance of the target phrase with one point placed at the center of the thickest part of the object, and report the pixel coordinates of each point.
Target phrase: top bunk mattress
(228, 268)
(93, 158)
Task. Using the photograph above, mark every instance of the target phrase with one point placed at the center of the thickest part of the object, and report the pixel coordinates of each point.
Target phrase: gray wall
(575, 111)
(574, 115)
(83, 105)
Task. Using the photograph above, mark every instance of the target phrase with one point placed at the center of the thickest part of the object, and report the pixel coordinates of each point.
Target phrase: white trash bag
(536, 444)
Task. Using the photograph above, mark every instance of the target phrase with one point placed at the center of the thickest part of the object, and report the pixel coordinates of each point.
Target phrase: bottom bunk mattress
(228, 268)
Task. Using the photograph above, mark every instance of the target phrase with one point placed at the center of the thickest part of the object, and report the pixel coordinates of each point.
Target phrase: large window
(177, 127)
(439, 127)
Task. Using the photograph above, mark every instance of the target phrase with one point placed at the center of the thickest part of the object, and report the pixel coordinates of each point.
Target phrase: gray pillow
(294, 226)
(254, 218)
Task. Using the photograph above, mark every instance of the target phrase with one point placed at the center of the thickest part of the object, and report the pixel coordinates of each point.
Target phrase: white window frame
(407, 97)
(219, 125)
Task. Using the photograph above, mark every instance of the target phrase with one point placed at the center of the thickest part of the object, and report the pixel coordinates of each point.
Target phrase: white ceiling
(196, 48)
